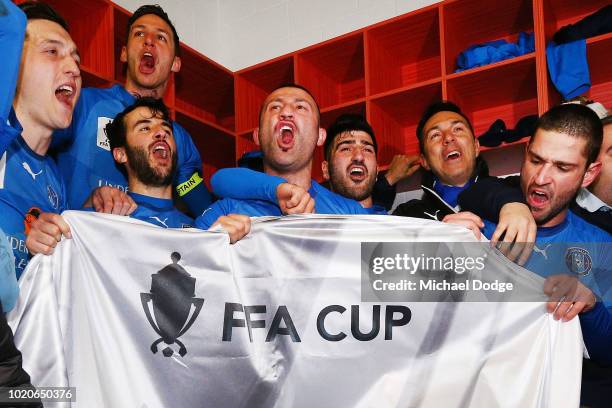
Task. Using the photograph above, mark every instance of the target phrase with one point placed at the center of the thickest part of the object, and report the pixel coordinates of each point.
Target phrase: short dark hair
(576, 121)
(159, 12)
(436, 107)
(293, 85)
(606, 121)
(116, 130)
(346, 123)
(35, 10)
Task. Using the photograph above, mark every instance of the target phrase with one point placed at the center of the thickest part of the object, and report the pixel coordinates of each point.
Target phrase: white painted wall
(241, 33)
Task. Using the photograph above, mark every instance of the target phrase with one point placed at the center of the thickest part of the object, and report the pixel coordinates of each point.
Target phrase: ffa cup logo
(168, 305)
(578, 261)
(53, 197)
(101, 138)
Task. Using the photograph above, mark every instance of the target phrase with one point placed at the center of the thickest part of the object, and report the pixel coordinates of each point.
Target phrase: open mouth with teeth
(161, 151)
(147, 63)
(538, 198)
(286, 136)
(357, 173)
(453, 155)
(64, 93)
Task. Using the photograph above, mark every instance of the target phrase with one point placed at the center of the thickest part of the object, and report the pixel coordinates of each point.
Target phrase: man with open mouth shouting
(83, 152)
(350, 162)
(289, 130)
(45, 95)
(142, 142)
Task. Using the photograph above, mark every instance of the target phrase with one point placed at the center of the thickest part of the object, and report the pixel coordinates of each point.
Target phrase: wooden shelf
(395, 117)
(404, 52)
(94, 79)
(470, 22)
(333, 71)
(253, 85)
(508, 92)
(245, 143)
(205, 90)
(216, 146)
(504, 145)
(90, 24)
(598, 56)
(559, 13)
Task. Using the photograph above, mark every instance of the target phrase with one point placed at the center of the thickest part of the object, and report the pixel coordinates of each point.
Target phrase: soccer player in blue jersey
(350, 163)
(289, 130)
(83, 151)
(560, 159)
(45, 95)
(142, 142)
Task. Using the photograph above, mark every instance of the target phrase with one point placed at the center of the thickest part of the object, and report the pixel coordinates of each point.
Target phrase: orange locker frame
(392, 70)
(388, 71)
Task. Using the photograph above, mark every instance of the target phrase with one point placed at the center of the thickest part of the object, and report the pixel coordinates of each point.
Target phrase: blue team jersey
(29, 183)
(573, 247)
(326, 202)
(83, 152)
(160, 212)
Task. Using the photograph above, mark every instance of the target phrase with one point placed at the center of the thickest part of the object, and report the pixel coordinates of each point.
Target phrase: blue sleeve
(12, 32)
(243, 184)
(189, 183)
(597, 333)
(211, 214)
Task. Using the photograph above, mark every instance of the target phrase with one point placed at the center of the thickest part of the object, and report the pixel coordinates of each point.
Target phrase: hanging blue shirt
(12, 32)
(326, 202)
(85, 160)
(160, 212)
(28, 182)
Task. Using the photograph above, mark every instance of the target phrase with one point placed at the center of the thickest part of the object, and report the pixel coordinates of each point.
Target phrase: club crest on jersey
(102, 139)
(53, 197)
(578, 261)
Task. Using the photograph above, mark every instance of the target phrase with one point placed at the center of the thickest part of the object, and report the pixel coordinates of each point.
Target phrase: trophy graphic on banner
(171, 299)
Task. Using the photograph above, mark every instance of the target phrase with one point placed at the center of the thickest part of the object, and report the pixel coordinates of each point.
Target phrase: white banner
(138, 316)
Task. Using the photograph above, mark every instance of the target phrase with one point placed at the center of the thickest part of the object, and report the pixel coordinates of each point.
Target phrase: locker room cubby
(389, 71)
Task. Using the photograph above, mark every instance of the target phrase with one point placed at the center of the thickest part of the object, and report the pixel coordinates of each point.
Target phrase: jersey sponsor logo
(53, 197)
(160, 221)
(189, 185)
(28, 169)
(578, 260)
(434, 215)
(542, 251)
(102, 139)
(102, 183)
(17, 244)
(30, 217)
